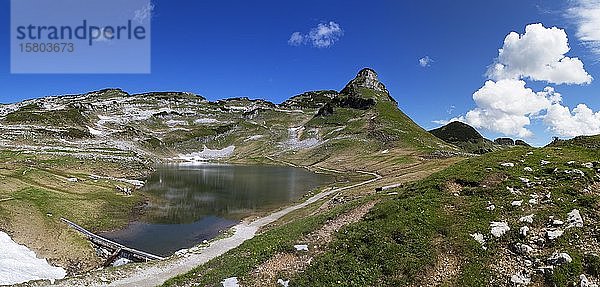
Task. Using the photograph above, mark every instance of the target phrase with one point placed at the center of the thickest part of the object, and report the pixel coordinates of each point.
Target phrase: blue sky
(222, 49)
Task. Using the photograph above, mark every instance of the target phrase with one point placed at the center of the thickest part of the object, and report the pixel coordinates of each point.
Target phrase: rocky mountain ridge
(162, 126)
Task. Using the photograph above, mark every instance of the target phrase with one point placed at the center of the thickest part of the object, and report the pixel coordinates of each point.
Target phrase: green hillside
(465, 137)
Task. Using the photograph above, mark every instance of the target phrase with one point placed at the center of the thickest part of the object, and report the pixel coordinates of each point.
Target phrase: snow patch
(253, 138)
(18, 264)
(206, 121)
(173, 123)
(95, 132)
(208, 154)
(295, 143)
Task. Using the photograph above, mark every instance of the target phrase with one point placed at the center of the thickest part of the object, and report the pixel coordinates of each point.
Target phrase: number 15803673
(47, 47)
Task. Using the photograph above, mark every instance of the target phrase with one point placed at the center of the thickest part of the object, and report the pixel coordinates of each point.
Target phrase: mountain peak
(366, 78)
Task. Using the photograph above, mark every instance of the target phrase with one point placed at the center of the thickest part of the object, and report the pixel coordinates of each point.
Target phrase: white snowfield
(295, 143)
(207, 154)
(18, 264)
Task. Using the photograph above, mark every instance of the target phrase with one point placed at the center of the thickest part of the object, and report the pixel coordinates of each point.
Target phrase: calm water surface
(189, 204)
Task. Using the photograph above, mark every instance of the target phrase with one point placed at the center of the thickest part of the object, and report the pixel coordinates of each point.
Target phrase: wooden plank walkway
(113, 246)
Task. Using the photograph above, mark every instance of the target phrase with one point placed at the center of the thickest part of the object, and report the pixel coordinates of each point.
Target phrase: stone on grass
(574, 219)
(523, 231)
(301, 247)
(498, 228)
(560, 258)
(527, 219)
(230, 282)
(479, 238)
(520, 279)
(553, 234)
(523, 249)
(507, 164)
(585, 282)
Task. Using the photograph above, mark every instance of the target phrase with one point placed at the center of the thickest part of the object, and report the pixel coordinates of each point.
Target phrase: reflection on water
(189, 204)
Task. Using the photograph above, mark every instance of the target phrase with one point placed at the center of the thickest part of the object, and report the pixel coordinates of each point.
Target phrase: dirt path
(289, 264)
(156, 274)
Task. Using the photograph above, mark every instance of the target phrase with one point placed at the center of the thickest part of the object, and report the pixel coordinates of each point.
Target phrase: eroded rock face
(505, 141)
(366, 78)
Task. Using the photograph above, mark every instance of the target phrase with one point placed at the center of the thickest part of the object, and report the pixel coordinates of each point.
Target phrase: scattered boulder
(498, 228)
(520, 279)
(230, 282)
(575, 172)
(284, 283)
(523, 231)
(507, 164)
(559, 259)
(120, 262)
(553, 234)
(574, 219)
(585, 282)
(517, 203)
(513, 190)
(479, 238)
(301, 247)
(528, 169)
(527, 219)
(588, 165)
(522, 249)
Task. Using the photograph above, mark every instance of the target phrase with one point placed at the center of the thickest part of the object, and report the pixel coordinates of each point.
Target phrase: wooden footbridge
(117, 250)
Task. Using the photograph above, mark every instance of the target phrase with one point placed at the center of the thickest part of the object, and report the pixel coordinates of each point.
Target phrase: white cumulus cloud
(425, 61)
(581, 121)
(586, 16)
(296, 39)
(324, 35)
(506, 107)
(539, 55)
(504, 103)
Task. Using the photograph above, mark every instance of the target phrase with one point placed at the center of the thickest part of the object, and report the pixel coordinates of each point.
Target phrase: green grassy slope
(465, 137)
(401, 240)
